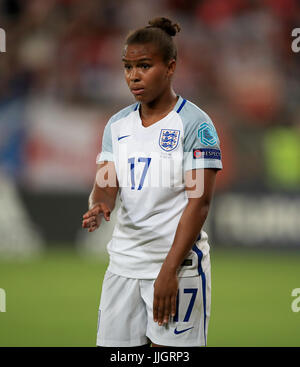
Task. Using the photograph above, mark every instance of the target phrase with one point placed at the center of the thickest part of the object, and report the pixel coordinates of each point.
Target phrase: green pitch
(53, 300)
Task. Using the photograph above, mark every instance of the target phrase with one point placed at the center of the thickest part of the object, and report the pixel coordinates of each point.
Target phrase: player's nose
(134, 75)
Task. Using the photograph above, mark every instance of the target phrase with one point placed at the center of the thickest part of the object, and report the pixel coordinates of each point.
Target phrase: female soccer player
(161, 154)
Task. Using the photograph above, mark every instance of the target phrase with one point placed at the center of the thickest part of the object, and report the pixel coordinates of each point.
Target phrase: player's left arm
(199, 185)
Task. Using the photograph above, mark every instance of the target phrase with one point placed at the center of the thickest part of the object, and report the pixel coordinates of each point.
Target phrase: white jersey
(150, 163)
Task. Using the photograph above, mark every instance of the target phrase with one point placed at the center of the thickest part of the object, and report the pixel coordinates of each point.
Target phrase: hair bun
(165, 24)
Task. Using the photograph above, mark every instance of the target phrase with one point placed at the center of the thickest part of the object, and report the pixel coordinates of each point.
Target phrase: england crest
(168, 139)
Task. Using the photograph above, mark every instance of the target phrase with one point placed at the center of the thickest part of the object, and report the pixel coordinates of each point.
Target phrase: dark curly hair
(160, 32)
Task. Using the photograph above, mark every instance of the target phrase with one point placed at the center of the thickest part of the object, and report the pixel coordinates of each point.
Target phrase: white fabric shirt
(150, 164)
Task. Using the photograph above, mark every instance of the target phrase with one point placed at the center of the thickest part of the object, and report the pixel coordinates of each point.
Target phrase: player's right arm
(103, 196)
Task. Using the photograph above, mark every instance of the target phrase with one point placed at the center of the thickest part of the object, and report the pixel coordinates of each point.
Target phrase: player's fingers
(107, 216)
(173, 306)
(167, 310)
(105, 211)
(91, 219)
(96, 211)
(87, 222)
(92, 228)
(155, 308)
(100, 209)
(85, 215)
(88, 214)
(92, 212)
(160, 313)
(88, 226)
(93, 222)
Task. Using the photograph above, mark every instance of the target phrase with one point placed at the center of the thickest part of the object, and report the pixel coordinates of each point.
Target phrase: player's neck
(157, 109)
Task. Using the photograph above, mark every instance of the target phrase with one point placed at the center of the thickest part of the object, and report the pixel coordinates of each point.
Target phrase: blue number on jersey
(147, 164)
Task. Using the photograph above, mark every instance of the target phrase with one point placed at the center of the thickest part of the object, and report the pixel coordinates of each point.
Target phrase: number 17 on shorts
(189, 325)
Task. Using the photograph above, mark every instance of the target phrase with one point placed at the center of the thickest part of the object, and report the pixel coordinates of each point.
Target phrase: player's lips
(137, 91)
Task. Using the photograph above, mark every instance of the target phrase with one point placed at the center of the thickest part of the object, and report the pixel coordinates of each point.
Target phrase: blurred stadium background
(61, 79)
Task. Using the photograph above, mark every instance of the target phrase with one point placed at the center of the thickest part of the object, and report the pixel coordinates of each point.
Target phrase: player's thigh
(122, 315)
(190, 324)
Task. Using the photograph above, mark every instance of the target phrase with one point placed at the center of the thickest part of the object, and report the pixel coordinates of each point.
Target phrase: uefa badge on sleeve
(207, 134)
(168, 139)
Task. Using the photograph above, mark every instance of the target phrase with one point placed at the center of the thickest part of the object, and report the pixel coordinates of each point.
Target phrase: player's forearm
(188, 229)
(106, 186)
(103, 195)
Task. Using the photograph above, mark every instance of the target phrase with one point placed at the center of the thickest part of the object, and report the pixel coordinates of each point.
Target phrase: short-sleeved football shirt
(150, 163)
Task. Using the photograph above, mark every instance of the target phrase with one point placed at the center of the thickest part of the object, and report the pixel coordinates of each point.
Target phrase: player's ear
(171, 67)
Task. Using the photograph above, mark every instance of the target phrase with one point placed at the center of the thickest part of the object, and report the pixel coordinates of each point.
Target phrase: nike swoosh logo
(182, 331)
(122, 137)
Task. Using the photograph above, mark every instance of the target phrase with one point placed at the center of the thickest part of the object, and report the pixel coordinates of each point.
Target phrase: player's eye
(127, 66)
(145, 66)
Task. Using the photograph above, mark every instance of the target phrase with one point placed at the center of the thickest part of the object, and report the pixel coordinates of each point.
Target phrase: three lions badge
(168, 139)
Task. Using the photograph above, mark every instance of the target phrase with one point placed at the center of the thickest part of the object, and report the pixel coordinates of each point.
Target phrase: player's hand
(165, 293)
(92, 218)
